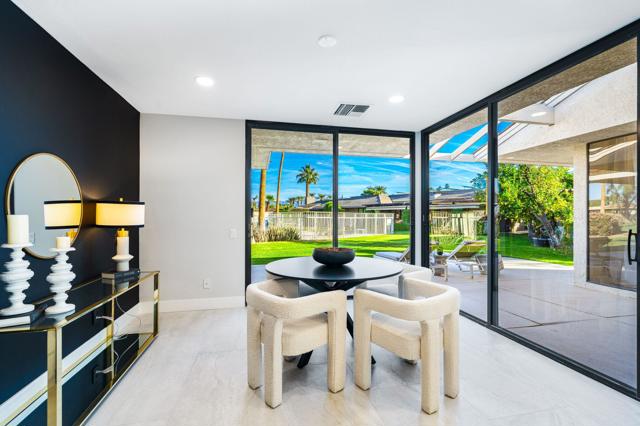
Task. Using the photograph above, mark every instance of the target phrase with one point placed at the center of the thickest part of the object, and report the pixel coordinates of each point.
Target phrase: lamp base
(17, 280)
(122, 256)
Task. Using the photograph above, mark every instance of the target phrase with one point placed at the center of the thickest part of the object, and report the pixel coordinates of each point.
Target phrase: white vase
(17, 279)
(60, 279)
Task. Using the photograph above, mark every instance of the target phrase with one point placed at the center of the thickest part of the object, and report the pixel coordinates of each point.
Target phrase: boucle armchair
(289, 326)
(415, 329)
(394, 286)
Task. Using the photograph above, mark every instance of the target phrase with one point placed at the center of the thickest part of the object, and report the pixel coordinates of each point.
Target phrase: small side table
(440, 267)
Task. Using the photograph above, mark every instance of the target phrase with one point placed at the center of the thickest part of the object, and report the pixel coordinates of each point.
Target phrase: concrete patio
(592, 325)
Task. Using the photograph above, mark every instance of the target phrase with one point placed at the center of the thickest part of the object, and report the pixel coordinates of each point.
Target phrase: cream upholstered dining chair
(394, 286)
(418, 328)
(287, 326)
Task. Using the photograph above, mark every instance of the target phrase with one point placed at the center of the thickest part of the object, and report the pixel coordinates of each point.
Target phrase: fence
(459, 223)
(318, 225)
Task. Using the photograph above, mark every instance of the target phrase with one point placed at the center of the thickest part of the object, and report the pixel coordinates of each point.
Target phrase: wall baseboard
(179, 305)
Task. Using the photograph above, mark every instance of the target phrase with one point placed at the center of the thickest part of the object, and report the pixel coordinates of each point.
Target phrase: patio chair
(481, 259)
(465, 251)
(404, 256)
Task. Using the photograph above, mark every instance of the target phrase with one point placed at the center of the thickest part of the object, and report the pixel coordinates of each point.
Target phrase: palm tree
(307, 175)
(279, 179)
(291, 201)
(321, 197)
(375, 190)
(269, 199)
(261, 202)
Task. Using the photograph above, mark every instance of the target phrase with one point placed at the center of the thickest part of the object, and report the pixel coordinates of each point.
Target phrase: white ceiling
(442, 56)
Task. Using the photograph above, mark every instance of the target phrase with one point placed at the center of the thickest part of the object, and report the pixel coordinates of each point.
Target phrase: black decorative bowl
(333, 256)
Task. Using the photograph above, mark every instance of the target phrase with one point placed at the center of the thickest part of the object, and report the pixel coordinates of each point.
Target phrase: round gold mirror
(44, 187)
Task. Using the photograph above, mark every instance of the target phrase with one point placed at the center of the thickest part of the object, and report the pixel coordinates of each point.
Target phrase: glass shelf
(87, 297)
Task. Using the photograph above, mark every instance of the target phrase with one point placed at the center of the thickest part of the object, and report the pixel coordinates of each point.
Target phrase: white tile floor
(195, 374)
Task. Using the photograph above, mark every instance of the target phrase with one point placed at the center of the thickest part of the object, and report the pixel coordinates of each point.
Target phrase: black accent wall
(51, 102)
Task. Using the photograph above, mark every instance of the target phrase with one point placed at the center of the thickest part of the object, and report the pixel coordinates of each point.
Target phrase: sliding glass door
(565, 275)
(457, 243)
(295, 174)
(291, 172)
(374, 195)
(552, 166)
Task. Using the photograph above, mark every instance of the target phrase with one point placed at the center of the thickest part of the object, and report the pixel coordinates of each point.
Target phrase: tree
(375, 190)
(269, 200)
(329, 207)
(261, 199)
(540, 196)
(279, 179)
(321, 197)
(307, 175)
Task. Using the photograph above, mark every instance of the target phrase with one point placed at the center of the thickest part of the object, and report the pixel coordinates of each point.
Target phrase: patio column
(580, 214)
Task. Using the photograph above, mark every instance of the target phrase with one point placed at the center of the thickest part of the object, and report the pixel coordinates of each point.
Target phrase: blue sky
(355, 174)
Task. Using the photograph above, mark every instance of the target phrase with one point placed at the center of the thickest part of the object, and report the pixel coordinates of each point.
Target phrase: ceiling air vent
(351, 110)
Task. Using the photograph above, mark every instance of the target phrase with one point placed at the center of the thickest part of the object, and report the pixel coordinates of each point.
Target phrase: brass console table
(88, 297)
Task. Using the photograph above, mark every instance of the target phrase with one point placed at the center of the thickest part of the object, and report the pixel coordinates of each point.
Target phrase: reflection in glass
(457, 209)
(612, 211)
(567, 198)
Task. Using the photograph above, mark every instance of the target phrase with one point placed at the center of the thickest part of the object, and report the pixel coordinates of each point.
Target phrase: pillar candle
(17, 229)
(63, 242)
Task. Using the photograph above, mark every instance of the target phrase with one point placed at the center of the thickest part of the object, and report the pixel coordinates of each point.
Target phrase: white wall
(192, 180)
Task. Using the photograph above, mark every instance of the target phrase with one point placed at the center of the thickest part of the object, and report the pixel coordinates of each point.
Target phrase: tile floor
(195, 374)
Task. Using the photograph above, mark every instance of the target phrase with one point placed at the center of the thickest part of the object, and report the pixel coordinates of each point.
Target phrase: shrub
(605, 224)
(275, 233)
(406, 216)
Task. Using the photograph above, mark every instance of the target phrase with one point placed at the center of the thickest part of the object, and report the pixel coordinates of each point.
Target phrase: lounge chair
(404, 256)
(481, 259)
(465, 251)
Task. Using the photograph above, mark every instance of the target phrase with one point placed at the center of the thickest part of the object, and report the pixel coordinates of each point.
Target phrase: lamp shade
(120, 214)
(62, 214)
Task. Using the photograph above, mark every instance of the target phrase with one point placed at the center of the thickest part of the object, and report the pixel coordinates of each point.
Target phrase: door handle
(635, 258)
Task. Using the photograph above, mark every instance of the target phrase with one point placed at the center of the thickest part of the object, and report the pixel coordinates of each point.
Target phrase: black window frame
(490, 102)
(335, 131)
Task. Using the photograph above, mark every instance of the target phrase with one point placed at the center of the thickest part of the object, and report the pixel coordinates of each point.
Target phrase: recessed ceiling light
(538, 113)
(204, 81)
(396, 99)
(327, 41)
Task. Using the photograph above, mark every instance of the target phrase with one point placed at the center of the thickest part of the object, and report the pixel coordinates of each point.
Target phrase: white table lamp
(120, 215)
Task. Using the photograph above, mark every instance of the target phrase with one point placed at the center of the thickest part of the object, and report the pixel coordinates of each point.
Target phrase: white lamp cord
(117, 337)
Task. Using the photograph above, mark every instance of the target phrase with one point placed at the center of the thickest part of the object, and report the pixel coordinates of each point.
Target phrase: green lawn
(510, 245)
(262, 253)
(514, 245)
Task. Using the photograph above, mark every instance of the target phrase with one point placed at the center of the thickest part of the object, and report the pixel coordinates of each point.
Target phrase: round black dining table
(329, 278)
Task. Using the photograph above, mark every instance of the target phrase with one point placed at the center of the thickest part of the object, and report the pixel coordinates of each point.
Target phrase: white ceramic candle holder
(60, 279)
(17, 280)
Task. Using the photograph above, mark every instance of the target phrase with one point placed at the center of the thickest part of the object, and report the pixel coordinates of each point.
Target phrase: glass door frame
(490, 103)
(335, 131)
